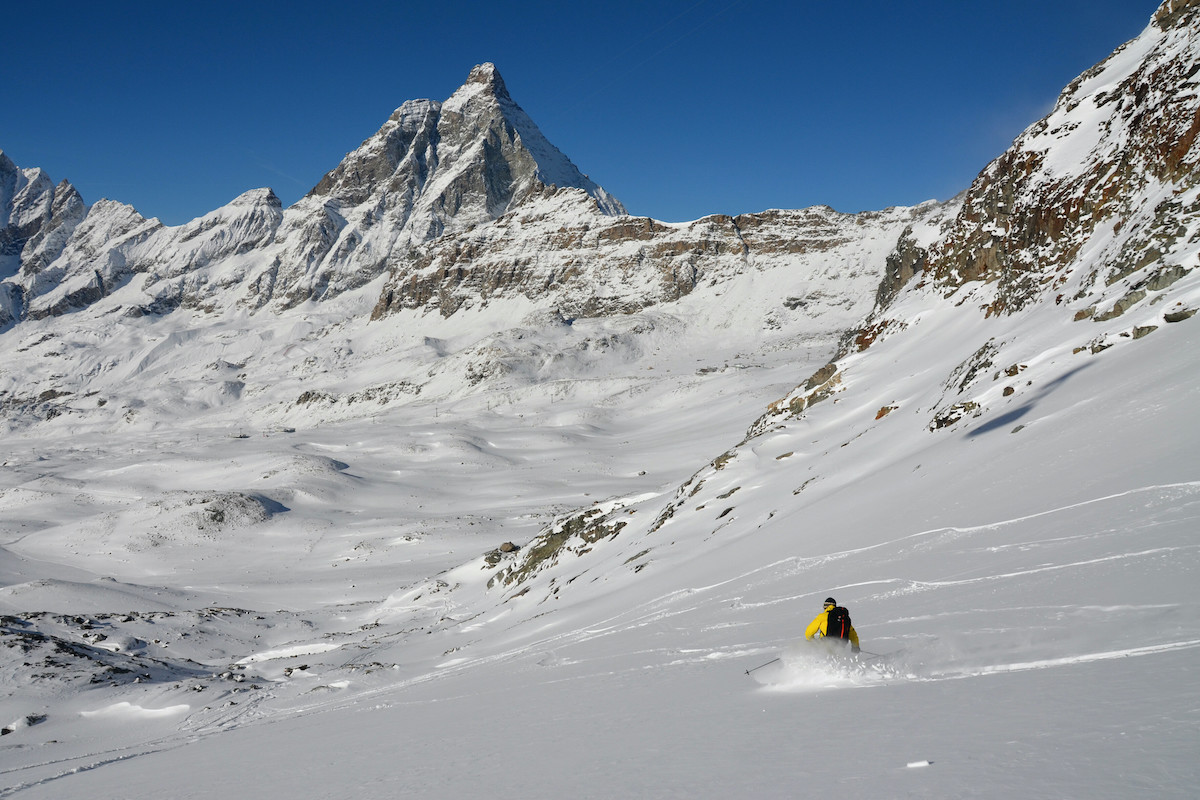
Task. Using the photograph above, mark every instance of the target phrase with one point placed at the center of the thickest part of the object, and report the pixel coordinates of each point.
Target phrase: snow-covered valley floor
(1027, 600)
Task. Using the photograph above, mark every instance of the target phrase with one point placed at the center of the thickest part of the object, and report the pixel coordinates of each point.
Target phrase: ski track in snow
(1086, 658)
(667, 607)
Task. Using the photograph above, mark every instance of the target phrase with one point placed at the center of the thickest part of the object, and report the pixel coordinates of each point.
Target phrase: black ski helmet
(829, 601)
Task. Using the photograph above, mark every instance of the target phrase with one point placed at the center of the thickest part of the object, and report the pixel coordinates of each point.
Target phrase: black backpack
(838, 625)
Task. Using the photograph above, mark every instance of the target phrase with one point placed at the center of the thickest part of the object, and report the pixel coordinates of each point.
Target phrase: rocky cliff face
(555, 248)
(37, 219)
(1113, 166)
(1092, 216)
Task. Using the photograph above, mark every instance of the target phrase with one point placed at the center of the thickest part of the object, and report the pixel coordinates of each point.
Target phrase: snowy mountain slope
(934, 350)
(1062, 614)
(433, 168)
(999, 483)
(468, 323)
(132, 319)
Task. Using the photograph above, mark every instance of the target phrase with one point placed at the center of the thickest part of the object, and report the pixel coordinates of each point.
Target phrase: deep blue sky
(680, 108)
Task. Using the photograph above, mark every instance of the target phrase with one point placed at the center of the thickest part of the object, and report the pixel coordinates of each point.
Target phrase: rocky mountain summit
(432, 169)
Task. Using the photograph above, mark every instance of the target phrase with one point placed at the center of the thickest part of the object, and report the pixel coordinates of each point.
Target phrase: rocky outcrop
(558, 249)
(902, 264)
(1116, 158)
(1170, 12)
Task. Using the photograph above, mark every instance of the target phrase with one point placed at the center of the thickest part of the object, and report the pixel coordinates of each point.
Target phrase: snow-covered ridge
(432, 169)
(1105, 181)
(444, 211)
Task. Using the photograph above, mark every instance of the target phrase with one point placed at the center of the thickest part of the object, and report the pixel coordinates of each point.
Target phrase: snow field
(1032, 589)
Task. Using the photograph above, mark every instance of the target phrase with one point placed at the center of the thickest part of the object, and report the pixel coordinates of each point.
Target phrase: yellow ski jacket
(819, 625)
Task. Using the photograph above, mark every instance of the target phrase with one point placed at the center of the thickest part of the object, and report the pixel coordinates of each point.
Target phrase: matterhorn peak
(482, 93)
(482, 110)
(487, 76)
(435, 167)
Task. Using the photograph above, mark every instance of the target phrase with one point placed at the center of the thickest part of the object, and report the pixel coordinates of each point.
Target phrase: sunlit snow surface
(1035, 605)
(210, 589)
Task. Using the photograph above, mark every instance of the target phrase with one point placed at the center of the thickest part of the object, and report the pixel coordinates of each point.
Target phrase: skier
(833, 624)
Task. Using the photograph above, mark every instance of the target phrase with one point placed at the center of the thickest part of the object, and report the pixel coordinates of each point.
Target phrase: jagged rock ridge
(1115, 159)
(431, 170)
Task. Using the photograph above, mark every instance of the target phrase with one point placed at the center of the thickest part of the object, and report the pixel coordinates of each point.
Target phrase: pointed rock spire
(433, 168)
(487, 76)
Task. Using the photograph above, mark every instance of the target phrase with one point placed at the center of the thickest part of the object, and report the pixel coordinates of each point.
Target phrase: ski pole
(760, 666)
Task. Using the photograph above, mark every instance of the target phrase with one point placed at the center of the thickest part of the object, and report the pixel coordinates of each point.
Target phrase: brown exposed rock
(1014, 370)
(902, 264)
(598, 264)
(821, 376)
(823, 384)
(868, 335)
(1022, 225)
(1179, 316)
(1173, 13)
(1122, 305)
(954, 414)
